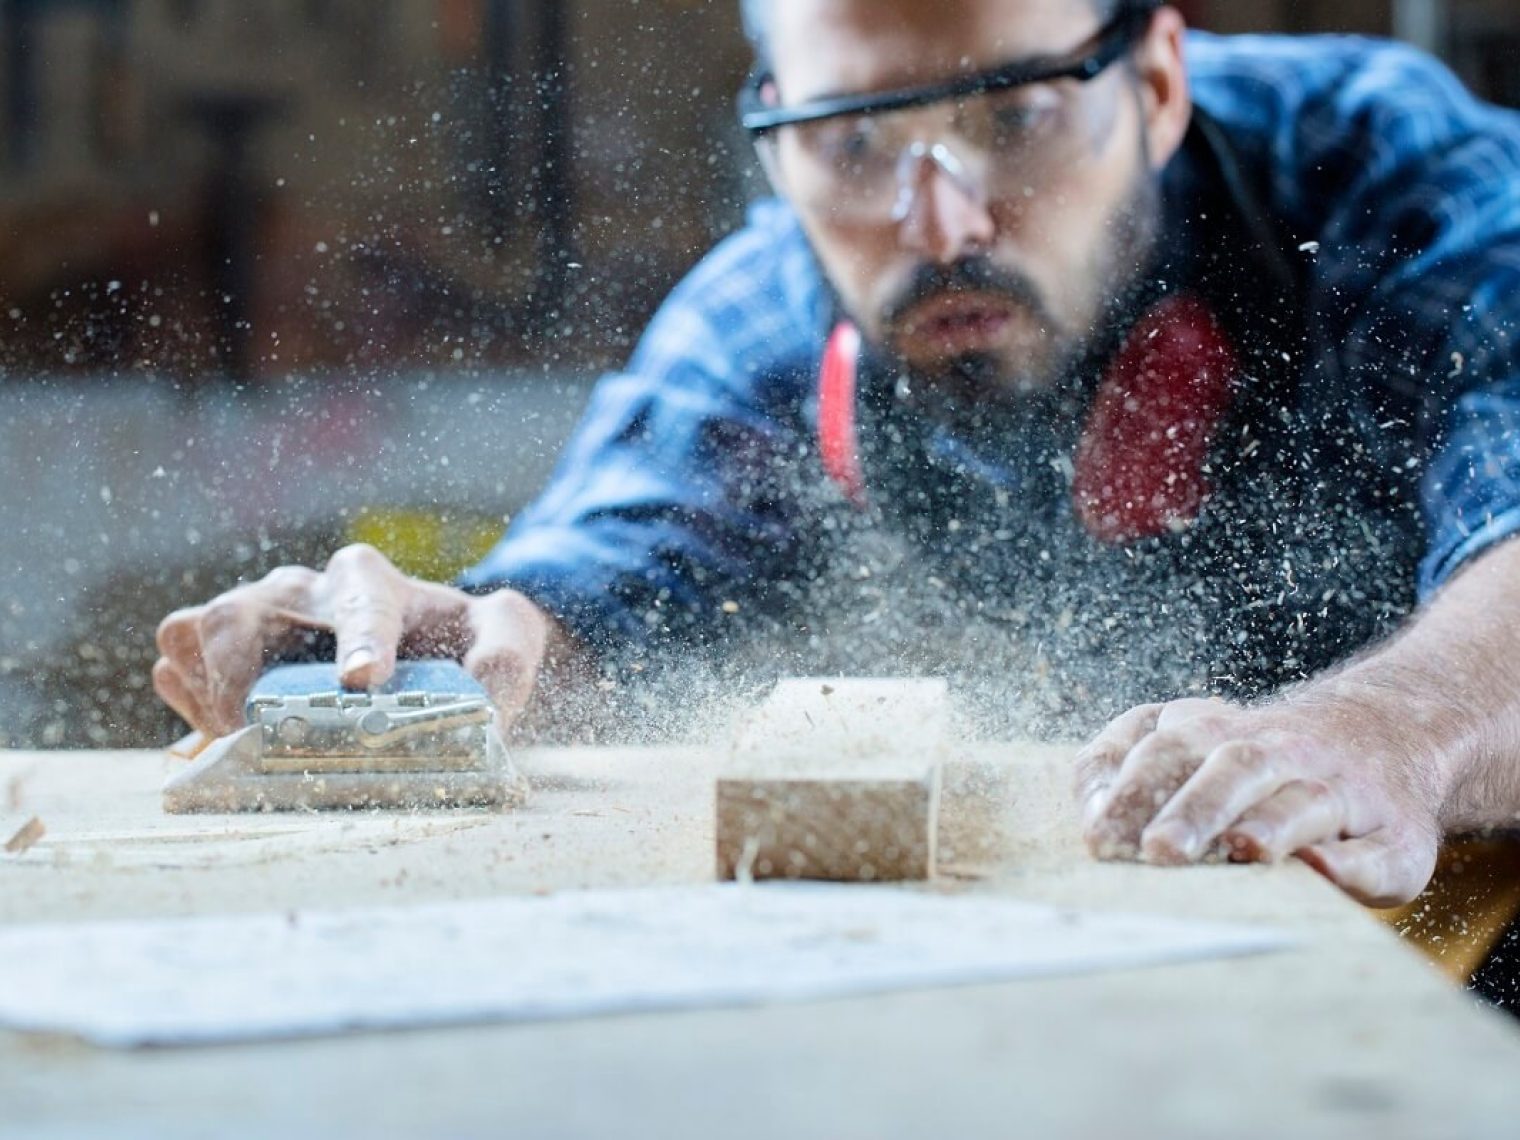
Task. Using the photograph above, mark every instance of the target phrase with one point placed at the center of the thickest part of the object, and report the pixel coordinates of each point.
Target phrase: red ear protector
(838, 439)
(1141, 465)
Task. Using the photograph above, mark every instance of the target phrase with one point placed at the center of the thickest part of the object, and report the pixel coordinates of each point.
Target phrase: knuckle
(1132, 807)
(1096, 756)
(1214, 725)
(503, 665)
(1273, 814)
(1124, 731)
(176, 633)
(1163, 746)
(497, 604)
(166, 678)
(1139, 717)
(1247, 757)
(1318, 792)
(357, 557)
(511, 618)
(359, 604)
(1186, 709)
(514, 607)
(1094, 762)
(222, 614)
(1089, 754)
(289, 579)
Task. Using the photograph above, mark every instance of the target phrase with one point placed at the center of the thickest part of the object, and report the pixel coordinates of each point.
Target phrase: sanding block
(425, 739)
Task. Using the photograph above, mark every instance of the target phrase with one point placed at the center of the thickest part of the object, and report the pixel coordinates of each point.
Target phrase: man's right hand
(213, 654)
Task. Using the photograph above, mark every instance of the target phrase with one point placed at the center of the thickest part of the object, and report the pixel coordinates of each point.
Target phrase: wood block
(836, 780)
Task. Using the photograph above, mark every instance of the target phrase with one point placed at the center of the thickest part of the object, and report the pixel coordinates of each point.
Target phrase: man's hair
(757, 24)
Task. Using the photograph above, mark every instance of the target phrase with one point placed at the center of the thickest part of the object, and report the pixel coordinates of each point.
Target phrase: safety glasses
(1011, 129)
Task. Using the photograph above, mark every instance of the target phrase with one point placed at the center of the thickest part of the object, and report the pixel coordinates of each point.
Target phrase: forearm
(1441, 699)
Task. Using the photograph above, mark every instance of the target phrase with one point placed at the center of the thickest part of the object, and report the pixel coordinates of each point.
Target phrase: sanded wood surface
(1350, 1035)
(837, 781)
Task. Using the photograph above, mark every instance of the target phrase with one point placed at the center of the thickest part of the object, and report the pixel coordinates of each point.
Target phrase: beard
(978, 394)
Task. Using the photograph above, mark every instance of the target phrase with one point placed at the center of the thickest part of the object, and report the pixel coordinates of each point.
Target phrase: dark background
(278, 274)
(290, 185)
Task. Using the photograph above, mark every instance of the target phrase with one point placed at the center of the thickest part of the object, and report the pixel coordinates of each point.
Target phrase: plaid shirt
(1402, 190)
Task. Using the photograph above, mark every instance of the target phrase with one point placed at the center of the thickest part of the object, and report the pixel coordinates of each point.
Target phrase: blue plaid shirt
(1403, 189)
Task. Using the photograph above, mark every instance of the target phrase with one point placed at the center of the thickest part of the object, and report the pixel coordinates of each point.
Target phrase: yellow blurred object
(1473, 898)
(425, 544)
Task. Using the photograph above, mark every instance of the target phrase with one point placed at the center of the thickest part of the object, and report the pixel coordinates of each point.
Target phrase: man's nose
(941, 213)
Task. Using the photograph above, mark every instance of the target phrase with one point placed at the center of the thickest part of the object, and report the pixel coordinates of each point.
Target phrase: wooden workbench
(1351, 1035)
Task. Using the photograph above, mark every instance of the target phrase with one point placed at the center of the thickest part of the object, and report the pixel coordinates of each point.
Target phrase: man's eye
(1015, 120)
(851, 143)
(1014, 123)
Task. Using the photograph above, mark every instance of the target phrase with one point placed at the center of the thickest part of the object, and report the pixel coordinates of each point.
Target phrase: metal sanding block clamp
(426, 739)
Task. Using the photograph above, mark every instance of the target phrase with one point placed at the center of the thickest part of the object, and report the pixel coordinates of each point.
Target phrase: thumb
(507, 651)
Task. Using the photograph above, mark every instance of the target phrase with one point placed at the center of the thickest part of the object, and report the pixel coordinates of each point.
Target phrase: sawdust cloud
(1043, 633)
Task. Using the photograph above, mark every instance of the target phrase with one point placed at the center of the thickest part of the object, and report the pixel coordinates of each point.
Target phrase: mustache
(968, 275)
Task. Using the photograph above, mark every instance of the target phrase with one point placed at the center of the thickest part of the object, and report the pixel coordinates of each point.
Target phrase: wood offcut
(838, 781)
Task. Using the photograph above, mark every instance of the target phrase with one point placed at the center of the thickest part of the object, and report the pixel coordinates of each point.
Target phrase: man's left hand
(1179, 782)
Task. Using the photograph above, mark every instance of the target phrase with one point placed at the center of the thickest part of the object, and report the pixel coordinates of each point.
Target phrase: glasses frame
(1111, 43)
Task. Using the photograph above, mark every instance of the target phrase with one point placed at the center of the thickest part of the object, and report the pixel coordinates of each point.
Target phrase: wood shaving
(29, 835)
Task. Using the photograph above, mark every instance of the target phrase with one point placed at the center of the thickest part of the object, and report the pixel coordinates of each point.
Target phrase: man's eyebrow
(1019, 63)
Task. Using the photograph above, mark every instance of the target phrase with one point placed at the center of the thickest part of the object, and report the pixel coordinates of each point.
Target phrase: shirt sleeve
(1404, 192)
(661, 513)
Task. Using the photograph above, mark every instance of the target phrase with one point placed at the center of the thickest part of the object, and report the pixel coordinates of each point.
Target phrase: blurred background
(281, 274)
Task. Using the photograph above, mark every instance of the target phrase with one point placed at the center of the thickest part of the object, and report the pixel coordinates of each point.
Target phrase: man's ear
(765, 149)
(1166, 102)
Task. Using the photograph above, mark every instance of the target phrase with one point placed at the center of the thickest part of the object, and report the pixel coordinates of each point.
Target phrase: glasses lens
(1015, 141)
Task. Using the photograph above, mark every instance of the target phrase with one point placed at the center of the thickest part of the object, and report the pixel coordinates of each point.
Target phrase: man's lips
(957, 323)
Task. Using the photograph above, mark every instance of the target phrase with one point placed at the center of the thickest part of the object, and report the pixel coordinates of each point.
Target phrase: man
(1196, 354)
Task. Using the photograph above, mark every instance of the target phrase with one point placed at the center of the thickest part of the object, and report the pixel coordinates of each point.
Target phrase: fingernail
(359, 659)
(1251, 833)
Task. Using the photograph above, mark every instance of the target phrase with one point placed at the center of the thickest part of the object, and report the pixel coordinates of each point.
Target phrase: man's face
(987, 251)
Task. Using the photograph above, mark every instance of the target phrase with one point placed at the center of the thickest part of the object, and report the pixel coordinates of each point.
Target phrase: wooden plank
(838, 781)
(1189, 1051)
